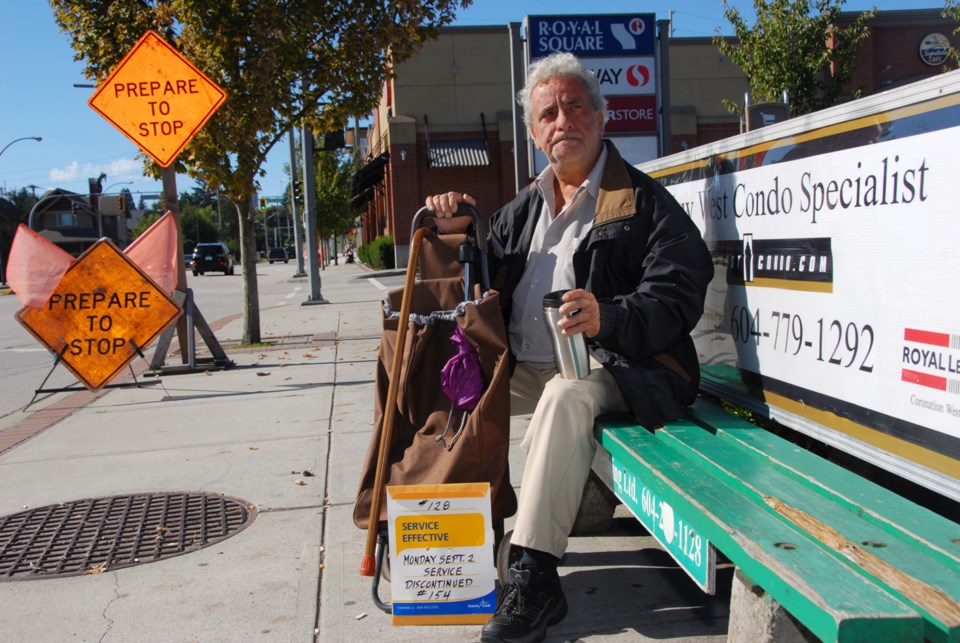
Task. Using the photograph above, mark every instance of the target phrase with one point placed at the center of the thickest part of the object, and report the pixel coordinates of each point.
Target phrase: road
(24, 362)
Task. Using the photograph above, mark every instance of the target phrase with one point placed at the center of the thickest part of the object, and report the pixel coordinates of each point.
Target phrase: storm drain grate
(101, 534)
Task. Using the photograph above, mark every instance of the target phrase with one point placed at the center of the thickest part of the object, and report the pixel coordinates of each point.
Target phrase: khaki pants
(560, 447)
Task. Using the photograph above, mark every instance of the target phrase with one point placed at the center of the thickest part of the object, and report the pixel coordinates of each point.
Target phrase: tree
(797, 46)
(281, 63)
(143, 223)
(334, 177)
(951, 11)
(21, 200)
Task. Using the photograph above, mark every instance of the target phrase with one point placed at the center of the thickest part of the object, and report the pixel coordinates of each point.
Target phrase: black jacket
(648, 267)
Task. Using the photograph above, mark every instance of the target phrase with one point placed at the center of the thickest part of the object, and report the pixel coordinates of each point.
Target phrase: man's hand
(587, 317)
(445, 206)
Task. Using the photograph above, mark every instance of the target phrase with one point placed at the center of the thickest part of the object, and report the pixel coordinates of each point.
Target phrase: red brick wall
(405, 179)
(412, 181)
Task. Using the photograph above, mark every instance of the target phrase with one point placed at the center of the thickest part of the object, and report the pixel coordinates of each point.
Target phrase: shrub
(378, 253)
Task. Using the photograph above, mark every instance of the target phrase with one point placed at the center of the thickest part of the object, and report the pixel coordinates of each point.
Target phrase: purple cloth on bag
(461, 378)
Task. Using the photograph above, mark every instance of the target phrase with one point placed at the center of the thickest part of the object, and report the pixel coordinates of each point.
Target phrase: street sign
(103, 311)
(157, 98)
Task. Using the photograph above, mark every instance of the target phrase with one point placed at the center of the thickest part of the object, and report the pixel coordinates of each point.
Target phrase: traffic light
(334, 141)
(122, 207)
(263, 204)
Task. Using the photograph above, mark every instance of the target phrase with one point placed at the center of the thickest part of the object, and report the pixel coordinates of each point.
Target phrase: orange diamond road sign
(102, 312)
(157, 98)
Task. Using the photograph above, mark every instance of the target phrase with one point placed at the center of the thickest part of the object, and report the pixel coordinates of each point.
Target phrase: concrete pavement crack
(116, 597)
(326, 482)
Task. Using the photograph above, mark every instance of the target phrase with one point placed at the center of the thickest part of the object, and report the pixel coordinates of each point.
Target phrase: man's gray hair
(560, 64)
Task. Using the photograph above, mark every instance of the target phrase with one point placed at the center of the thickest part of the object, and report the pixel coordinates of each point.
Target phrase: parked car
(291, 252)
(212, 257)
(188, 260)
(277, 254)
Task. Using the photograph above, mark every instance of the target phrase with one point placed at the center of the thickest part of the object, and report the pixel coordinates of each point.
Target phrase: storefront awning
(457, 152)
(369, 175)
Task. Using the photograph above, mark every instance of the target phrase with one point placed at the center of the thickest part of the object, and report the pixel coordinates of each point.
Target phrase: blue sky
(39, 99)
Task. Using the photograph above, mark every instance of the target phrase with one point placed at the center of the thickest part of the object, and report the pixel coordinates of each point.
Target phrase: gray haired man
(636, 270)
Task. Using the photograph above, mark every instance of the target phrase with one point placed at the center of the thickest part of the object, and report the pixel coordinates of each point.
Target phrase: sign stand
(69, 389)
(194, 321)
(160, 100)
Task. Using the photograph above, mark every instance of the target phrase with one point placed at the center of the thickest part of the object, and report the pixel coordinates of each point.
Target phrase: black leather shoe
(530, 602)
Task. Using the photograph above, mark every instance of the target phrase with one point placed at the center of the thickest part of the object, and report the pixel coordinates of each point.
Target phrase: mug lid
(554, 299)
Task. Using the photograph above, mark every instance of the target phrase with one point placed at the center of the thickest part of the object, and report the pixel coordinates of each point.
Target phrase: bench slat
(895, 564)
(893, 513)
(829, 597)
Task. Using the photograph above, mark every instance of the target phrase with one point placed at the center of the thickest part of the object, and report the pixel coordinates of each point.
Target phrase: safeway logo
(638, 75)
(630, 76)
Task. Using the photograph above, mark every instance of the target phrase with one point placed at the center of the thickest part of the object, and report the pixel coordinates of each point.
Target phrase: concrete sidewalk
(285, 432)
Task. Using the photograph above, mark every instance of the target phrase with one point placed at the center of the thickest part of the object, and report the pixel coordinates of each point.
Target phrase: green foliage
(796, 46)
(143, 223)
(22, 200)
(378, 253)
(951, 11)
(198, 223)
(334, 178)
(280, 63)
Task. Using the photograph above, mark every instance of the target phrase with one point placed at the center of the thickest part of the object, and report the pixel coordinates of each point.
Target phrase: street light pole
(113, 185)
(22, 138)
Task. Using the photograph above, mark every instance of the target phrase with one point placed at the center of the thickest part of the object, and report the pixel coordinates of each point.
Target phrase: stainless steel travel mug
(573, 360)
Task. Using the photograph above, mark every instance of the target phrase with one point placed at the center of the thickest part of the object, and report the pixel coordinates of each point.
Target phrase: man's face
(564, 123)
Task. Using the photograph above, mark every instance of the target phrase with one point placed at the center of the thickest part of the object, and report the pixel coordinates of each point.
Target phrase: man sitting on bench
(637, 270)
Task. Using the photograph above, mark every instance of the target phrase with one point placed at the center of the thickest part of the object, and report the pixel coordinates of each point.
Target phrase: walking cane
(368, 564)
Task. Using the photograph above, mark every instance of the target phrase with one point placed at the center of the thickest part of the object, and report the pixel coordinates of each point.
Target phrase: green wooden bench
(846, 558)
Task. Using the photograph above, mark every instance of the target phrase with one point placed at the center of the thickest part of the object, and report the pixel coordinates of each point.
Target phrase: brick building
(446, 122)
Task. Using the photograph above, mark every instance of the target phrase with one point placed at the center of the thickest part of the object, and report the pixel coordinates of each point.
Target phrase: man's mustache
(565, 136)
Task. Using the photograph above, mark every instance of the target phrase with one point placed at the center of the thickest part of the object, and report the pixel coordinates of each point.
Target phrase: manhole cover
(101, 534)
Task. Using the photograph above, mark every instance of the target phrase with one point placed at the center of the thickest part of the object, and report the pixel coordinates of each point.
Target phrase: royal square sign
(629, 34)
(621, 50)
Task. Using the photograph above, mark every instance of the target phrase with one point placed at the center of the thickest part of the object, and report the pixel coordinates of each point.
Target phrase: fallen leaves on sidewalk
(262, 373)
(299, 482)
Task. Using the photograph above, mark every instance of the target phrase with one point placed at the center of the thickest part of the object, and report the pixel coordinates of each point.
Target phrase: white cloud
(117, 170)
(65, 174)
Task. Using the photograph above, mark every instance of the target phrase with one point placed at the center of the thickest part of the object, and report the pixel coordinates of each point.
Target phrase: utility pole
(310, 215)
(297, 241)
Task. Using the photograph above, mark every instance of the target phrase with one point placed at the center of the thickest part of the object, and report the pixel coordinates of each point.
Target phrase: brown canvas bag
(480, 452)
